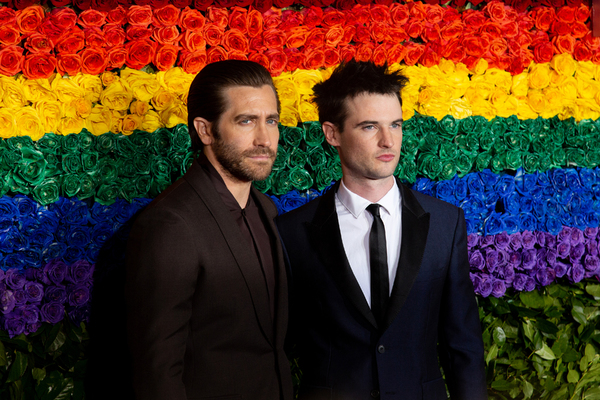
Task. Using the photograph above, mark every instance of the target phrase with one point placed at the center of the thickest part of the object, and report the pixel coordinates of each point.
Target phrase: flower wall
(502, 118)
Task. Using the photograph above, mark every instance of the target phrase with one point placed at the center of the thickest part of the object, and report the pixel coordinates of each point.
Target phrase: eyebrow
(254, 116)
(363, 123)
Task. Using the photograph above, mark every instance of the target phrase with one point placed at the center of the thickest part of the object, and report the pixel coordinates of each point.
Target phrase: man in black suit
(379, 272)
(206, 283)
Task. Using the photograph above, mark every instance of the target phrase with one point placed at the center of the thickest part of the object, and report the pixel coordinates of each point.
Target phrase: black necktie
(379, 270)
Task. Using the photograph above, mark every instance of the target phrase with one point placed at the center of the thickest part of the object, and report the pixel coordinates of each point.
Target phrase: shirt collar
(356, 204)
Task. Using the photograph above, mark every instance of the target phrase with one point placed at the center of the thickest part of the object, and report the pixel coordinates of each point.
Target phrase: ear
(203, 129)
(331, 134)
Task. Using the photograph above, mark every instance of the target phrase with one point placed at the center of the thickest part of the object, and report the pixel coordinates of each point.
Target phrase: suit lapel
(327, 240)
(245, 259)
(415, 227)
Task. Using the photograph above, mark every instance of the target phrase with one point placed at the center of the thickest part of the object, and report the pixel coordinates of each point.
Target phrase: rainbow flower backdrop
(502, 118)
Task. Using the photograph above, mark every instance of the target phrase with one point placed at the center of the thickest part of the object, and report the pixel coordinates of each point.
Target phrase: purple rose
(56, 294)
(30, 313)
(32, 328)
(80, 271)
(472, 240)
(519, 282)
(79, 314)
(577, 252)
(545, 276)
(516, 242)
(34, 292)
(560, 269)
(591, 263)
(486, 241)
(551, 257)
(52, 312)
(563, 249)
(550, 240)
(20, 297)
(514, 259)
(530, 284)
(2, 275)
(56, 271)
(529, 258)
(592, 247)
(502, 240)
(576, 236)
(590, 233)
(576, 273)
(476, 260)
(498, 288)
(476, 280)
(564, 235)
(485, 287)
(14, 325)
(78, 295)
(528, 240)
(507, 273)
(7, 301)
(491, 260)
(14, 279)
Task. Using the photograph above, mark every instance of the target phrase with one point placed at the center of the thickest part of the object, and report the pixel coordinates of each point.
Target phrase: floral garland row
(39, 44)
(528, 260)
(45, 294)
(102, 168)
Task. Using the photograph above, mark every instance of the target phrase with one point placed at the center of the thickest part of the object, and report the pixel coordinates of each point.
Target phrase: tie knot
(373, 209)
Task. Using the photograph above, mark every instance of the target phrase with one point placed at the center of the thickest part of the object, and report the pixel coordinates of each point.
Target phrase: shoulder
(301, 214)
(265, 202)
(439, 210)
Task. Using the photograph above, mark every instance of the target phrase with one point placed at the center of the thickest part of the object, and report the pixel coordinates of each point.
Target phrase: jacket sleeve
(162, 273)
(460, 340)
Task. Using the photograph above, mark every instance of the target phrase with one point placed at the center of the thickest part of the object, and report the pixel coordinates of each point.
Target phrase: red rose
(202, 5)
(11, 60)
(166, 35)
(380, 56)
(543, 17)
(399, 13)
(255, 23)
(413, 53)
(344, 5)
(526, 23)
(498, 47)
(82, 4)
(9, 36)
(271, 18)
(457, 54)
(165, 57)
(273, 38)
(238, 19)
(473, 20)
(417, 11)
(277, 61)
(566, 14)
(166, 16)
(263, 5)
(495, 10)
(332, 57)
(362, 34)
(296, 37)
(235, 40)
(414, 28)
(140, 53)
(397, 35)
(452, 30)
(316, 38)
(92, 18)
(524, 39)
(332, 17)
(380, 13)
(561, 28)
(8, 16)
(395, 53)
(39, 43)
(116, 57)
(334, 36)
(520, 6)
(347, 53)
(193, 62)
(94, 37)
(21, 4)
(579, 30)
(282, 3)
(289, 19)
(564, 44)
(116, 16)
(94, 61)
(137, 32)
(581, 52)
(257, 44)
(349, 32)
(592, 42)
(218, 16)
(236, 55)
(312, 16)
(510, 29)
(156, 4)
(543, 52)
(475, 46)
(225, 4)
(215, 54)
(68, 64)
(430, 57)
(450, 15)
(39, 65)
(192, 20)
(259, 58)
(431, 32)
(114, 35)
(104, 5)
(434, 13)
(29, 19)
(193, 41)
(364, 52)
(314, 59)
(62, 18)
(139, 15)
(71, 42)
(596, 57)
(582, 13)
(213, 34)
(539, 37)
(360, 15)
(294, 58)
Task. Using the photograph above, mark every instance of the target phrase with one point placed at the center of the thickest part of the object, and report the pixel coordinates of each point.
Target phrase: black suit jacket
(199, 320)
(343, 354)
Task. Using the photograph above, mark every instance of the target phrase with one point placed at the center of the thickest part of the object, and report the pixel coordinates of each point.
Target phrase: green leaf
(492, 353)
(546, 352)
(527, 389)
(560, 345)
(3, 360)
(571, 355)
(501, 384)
(578, 313)
(532, 299)
(594, 290)
(38, 374)
(573, 376)
(592, 394)
(499, 336)
(547, 326)
(529, 330)
(58, 341)
(18, 367)
(590, 352)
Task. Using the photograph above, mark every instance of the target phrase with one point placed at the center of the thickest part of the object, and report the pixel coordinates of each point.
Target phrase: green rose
(161, 168)
(188, 159)
(158, 185)
(513, 123)
(475, 125)
(178, 163)
(410, 145)
(31, 170)
(316, 157)
(557, 131)
(464, 164)
(335, 166)
(429, 165)
(105, 143)
(517, 140)
(408, 173)
(314, 135)
(70, 184)
(87, 186)
(430, 143)
(531, 163)
(128, 189)
(86, 140)
(142, 184)
(297, 158)
(142, 162)
(49, 143)
(127, 169)
(448, 151)
(575, 157)
(20, 142)
(71, 163)
(429, 125)
(181, 138)
(448, 127)
(71, 143)
(5, 183)
(46, 192)
(448, 170)
(107, 193)
(263, 186)
(482, 161)
(300, 179)
(324, 177)
(514, 159)
(544, 162)
(107, 170)
(498, 163)
(532, 126)
(125, 147)
(291, 135)
(281, 159)
(281, 183)
(592, 158)
(160, 141)
(90, 161)
(141, 140)
(497, 128)
(559, 157)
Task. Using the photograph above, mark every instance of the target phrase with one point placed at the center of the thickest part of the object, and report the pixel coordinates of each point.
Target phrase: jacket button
(381, 349)
(374, 393)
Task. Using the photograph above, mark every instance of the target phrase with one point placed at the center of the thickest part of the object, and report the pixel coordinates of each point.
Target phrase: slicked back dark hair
(350, 80)
(206, 97)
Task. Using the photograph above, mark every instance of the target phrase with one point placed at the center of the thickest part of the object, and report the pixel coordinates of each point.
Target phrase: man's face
(369, 143)
(246, 135)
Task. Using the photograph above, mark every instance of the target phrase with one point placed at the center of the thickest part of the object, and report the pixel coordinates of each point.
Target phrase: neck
(239, 189)
(372, 190)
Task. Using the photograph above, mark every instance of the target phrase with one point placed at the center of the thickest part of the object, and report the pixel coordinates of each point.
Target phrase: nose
(386, 138)
(262, 137)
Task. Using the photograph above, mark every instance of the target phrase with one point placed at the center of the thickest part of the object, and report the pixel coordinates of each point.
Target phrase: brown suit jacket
(199, 321)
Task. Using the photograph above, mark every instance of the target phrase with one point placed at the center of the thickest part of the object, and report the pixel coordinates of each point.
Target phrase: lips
(386, 157)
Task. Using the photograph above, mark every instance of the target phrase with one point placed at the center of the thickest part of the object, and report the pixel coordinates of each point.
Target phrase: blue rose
(78, 236)
(587, 177)
(48, 219)
(474, 204)
(494, 224)
(55, 250)
(527, 222)
(524, 182)
(72, 211)
(511, 223)
(41, 238)
(505, 186)
(461, 188)
(25, 205)
(124, 211)
(558, 179)
(74, 254)
(52, 312)
(8, 209)
(102, 213)
(488, 178)
(14, 261)
(572, 179)
(474, 224)
(424, 185)
(101, 233)
(526, 204)
(445, 190)
(512, 203)
(292, 200)
(538, 208)
(92, 252)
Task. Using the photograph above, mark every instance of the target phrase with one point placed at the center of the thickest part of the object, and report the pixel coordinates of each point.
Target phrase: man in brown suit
(206, 284)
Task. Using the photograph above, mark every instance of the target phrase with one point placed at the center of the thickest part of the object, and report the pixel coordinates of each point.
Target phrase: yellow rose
(50, 113)
(519, 84)
(499, 78)
(498, 97)
(569, 109)
(564, 64)
(287, 90)
(100, 120)
(479, 90)
(67, 89)
(425, 96)
(289, 116)
(410, 94)
(597, 97)
(483, 108)
(37, 90)
(416, 74)
(537, 101)
(144, 86)
(407, 112)
(163, 100)
(79, 108)
(480, 67)
(507, 107)
(460, 108)
(307, 110)
(91, 85)
(435, 108)
(459, 81)
(175, 80)
(11, 93)
(7, 123)
(539, 76)
(524, 111)
(446, 66)
(176, 114)
(70, 125)
(586, 70)
(109, 77)
(554, 100)
(568, 87)
(586, 109)
(116, 96)
(326, 73)
(139, 108)
(117, 120)
(151, 121)
(435, 77)
(131, 122)
(305, 80)
(587, 88)
(28, 121)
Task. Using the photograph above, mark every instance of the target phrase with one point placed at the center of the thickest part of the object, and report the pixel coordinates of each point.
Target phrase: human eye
(272, 121)
(396, 125)
(369, 127)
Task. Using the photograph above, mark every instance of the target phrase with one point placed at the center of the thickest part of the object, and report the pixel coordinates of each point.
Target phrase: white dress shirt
(355, 225)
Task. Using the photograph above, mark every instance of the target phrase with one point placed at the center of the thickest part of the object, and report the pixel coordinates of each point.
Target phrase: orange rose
(9, 36)
(496, 11)
(94, 37)
(38, 43)
(510, 30)
(193, 62)
(334, 36)
(414, 28)
(379, 32)
(332, 17)
(271, 18)
(277, 61)
(140, 53)
(94, 60)
(582, 13)
(92, 18)
(592, 42)
(498, 47)
(296, 37)
(379, 56)
(114, 35)
(564, 44)
(257, 44)
(524, 39)
(431, 32)
(581, 52)
(475, 46)
(473, 19)
(347, 53)
(165, 57)
(166, 16)
(216, 53)
(8, 16)
(62, 18)
(139, 15)
(414, 51)
(39, 66)
(395, 53)
(579, 30)
(294, 58)
(380, 13)
(71, 42)
(332, 57)
(289, 19)
(313, 59)
(236, 55)
(29, 19)
(11, 60)
(117, 57)
(218, 16)
(501, 62)
(543, 52)
(117, 15)
(561, 28)
(238, 19)
(166, 35)
(259, 58)
(492, 29)
(544, 17)
(434, 13)
(566, 14)
(273, 38)
(399, 13)
(364, 52)
(68, 64)
(313, 16)
(417, 11)
(452, 30)
(193, 41)
(213, 34)
(191, 20)
(138, 32)
(430, 57)
(349, 32)
(255, 23)
(235, 40)
(53, 32)
(316, 37)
